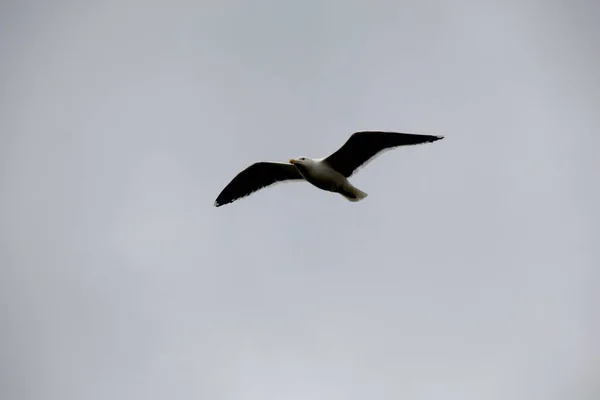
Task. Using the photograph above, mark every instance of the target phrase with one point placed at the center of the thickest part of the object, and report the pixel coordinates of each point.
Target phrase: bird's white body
(321, 175)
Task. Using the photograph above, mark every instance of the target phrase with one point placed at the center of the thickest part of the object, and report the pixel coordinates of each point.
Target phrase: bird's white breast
(322, 176)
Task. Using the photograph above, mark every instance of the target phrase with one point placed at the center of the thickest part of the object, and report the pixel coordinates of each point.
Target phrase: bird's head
(300, 161)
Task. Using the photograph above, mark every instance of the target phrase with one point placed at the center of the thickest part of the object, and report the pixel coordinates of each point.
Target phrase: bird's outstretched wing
(363, 146)
(255, 177)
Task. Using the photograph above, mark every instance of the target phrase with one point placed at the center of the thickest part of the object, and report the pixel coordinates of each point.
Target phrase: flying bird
(330, 173)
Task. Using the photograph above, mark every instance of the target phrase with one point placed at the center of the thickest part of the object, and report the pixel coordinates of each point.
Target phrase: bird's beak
(292, 161)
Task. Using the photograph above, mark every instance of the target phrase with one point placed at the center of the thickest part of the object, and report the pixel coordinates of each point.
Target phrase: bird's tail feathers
(353, 194)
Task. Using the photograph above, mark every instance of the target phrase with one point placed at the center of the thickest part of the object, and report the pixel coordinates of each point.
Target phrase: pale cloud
(468, 272)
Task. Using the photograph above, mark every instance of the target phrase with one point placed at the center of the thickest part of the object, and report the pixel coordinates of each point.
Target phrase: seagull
(330, 173)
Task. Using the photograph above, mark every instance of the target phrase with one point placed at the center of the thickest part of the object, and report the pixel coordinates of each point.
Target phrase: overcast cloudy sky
(470, 271)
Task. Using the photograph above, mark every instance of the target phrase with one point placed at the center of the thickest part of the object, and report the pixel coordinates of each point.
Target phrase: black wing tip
(433, 137)
(427, 137)
(220, 202)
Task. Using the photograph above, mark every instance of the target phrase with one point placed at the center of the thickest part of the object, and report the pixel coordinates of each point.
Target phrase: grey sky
(468, 272)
